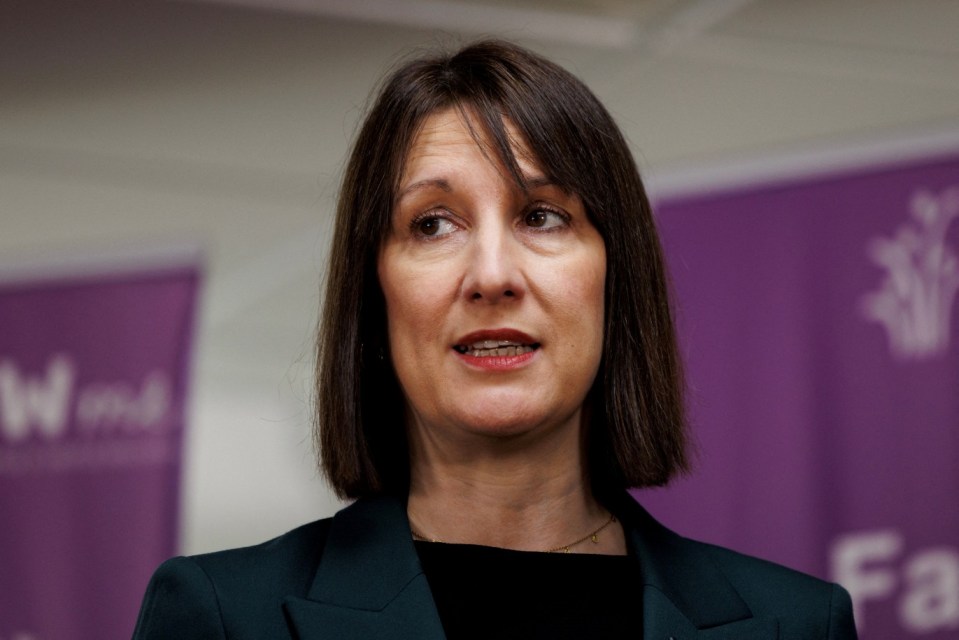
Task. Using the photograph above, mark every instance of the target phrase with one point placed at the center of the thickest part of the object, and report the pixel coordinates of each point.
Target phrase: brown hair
(636, 429)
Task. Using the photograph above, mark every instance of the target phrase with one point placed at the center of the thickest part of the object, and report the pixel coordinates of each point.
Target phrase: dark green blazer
(357, 575)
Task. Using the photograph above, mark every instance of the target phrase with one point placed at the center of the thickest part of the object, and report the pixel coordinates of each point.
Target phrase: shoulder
(805, 606)
(202, 596)
(714, 586)
(769, 586)
(757, 578)
(287, 562)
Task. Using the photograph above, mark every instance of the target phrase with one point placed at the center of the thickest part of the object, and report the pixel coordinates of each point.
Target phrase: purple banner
(818, 322)
(93, 375)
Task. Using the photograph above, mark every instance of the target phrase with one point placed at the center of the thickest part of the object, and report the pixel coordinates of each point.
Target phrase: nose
(493, 270)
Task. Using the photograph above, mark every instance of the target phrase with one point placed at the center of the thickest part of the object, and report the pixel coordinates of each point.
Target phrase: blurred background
(130, 128)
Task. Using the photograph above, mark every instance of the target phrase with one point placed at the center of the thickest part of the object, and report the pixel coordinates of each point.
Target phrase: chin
(509, 423)
(506, 428)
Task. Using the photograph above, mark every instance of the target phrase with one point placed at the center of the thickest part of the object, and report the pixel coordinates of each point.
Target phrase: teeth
(489, 348)
(511, 350)
(493, 344)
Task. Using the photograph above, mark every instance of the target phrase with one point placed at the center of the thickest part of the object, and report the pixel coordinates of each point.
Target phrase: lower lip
(498, 363)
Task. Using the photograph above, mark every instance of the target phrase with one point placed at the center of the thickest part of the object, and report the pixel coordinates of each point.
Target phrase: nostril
(492, 296)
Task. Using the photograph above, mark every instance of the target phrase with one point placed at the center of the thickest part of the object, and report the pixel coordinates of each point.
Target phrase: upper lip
(502, 335)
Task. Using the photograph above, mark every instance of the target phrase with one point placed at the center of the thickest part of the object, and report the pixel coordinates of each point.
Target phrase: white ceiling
(224, 124)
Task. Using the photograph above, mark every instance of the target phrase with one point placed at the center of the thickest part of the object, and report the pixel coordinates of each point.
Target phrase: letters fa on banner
(874, 566)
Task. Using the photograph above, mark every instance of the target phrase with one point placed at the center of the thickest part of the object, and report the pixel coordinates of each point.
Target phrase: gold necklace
(592, 537)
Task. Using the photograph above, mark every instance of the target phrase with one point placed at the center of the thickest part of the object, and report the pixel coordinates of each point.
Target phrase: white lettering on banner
(849, 556)
(105, 406)
(932, 595)
(927, 581)
(914, 301)
(42, 403)
(27, 401)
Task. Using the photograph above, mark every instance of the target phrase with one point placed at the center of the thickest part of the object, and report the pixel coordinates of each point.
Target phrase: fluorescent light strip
(799, 162)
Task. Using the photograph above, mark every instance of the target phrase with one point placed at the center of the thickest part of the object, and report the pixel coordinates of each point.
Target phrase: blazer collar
(369, 583)
(685, 594)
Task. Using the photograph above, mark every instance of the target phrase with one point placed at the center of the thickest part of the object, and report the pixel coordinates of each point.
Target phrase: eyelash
(442, 215)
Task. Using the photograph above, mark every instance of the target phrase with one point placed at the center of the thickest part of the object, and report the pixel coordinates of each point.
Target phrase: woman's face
(494, 297)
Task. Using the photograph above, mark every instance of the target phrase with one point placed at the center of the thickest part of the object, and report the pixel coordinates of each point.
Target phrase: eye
(432, 226)
(545, 219)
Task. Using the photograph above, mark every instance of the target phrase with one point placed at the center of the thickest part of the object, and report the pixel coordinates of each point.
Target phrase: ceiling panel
(914, 26)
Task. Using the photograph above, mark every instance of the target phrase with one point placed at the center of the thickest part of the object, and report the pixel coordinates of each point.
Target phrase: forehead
(448, 133)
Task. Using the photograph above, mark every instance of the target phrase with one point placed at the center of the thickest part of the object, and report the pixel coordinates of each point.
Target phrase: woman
(496, 366)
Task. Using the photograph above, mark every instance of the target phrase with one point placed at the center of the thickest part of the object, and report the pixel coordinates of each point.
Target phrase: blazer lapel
(369, 583)
(662, 620)
(685, 596)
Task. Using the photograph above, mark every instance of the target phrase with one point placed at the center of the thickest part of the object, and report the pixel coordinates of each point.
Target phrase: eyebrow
(440, 183)
(540, 181)
(444, 185)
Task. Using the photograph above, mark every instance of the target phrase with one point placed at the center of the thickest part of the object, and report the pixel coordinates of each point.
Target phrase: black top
(486, 592)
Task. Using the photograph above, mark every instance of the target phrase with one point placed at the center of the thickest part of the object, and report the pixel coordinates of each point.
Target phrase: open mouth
(490, 348)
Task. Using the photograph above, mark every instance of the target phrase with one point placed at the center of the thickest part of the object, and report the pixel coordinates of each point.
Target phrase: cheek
(576, 300)
(582, 285)
(593, 310)
(415, 300)
(593, 294)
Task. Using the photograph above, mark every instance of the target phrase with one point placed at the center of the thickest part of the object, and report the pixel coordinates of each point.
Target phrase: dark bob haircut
(636, 433)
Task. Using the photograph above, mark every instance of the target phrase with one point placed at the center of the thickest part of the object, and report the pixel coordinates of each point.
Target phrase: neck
(526, 493)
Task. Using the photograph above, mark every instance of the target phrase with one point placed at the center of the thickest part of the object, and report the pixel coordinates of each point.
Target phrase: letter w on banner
(93, 379)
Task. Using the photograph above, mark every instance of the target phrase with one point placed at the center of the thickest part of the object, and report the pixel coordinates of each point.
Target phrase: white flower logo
(914, 301)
